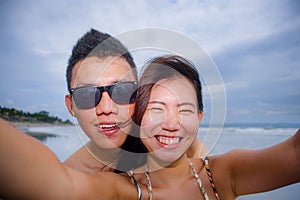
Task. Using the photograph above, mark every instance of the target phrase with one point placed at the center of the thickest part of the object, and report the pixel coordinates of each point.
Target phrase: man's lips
(108, 128)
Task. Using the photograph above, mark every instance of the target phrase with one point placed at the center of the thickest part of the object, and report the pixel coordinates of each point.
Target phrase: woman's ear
(200, 116)
(69, 104)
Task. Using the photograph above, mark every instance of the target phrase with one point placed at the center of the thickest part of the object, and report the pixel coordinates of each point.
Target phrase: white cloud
(262, 104)
(9, 102)
(38, 37)
(218, 25)
(236, 85)
(39, 51)
(242, 112)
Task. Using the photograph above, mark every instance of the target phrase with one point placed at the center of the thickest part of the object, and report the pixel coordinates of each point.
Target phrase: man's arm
(31, 170)
(23, 172)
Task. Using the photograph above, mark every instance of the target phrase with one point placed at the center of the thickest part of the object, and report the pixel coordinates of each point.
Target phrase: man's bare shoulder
(83, 160)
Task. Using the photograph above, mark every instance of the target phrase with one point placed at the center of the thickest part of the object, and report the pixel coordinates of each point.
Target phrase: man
(104, 113)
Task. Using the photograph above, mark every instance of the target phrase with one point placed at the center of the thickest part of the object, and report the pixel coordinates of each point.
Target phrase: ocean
(64, 140)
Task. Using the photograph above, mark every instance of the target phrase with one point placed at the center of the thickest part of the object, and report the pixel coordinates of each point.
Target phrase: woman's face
(171, 120)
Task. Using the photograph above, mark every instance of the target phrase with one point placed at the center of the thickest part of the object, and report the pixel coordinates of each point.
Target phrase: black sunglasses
(87, 97)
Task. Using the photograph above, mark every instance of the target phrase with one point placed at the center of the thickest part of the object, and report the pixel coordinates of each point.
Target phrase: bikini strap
(130, 174)
(206, 165)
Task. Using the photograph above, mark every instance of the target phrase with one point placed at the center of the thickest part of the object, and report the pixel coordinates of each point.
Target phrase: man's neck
(108, 157)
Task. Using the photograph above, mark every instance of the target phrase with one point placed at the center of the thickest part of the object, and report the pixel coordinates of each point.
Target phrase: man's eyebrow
(113, 81)
(85, 84)
(116, 80)
(121, 80)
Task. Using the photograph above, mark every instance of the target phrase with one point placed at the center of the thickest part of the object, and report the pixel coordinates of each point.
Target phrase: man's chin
(108, 144)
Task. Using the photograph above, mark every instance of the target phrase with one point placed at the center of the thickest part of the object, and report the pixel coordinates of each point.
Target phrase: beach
(64, 140)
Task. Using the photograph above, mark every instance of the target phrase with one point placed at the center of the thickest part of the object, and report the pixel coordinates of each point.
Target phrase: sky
(255, 46)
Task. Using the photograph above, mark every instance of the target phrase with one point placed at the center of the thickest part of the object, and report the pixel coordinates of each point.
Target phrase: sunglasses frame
(108, 88)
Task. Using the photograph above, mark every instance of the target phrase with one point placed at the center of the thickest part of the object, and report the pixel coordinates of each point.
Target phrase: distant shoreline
(15, 115)
(25, 126)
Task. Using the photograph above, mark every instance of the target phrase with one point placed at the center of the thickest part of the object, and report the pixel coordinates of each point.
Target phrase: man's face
(107, 123)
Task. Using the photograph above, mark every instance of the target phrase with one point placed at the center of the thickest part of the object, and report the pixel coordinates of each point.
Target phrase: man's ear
(69, 104)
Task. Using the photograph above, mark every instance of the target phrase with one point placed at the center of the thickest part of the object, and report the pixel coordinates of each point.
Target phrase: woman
(169, 110)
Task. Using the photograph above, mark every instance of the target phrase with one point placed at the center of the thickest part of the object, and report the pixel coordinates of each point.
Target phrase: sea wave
(52, 129)
(253, 130)
(243, 130)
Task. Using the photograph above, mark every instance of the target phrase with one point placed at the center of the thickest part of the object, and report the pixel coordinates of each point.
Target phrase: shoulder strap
(206, 165)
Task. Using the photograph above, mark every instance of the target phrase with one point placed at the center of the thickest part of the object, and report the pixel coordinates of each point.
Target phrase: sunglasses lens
(86, 97)
(123, 92)
(89, 97)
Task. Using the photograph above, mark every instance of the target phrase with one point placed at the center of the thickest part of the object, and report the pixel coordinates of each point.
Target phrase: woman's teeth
(168, 140)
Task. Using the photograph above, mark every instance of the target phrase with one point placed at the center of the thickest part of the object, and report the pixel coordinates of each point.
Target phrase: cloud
(254, 44)
(242, 112)
(9, 102)
(236, 85)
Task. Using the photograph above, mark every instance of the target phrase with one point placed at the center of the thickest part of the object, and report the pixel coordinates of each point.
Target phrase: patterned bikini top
(206, 165)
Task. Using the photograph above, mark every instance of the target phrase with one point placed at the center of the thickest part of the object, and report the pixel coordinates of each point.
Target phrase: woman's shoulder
(121, 184)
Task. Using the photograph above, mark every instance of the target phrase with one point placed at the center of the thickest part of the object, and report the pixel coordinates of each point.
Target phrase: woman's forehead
(178, 88)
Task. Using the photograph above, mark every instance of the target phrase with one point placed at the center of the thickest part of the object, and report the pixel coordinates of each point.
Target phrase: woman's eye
(186, 111)
(156, 109)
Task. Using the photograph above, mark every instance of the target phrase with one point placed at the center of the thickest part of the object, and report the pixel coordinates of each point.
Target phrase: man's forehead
(95, 70)
(104, 64)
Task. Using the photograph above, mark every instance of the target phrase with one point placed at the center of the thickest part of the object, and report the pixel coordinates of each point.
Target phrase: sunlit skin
(169, 125)
(171, 120)
(94, 121)
(100, 153)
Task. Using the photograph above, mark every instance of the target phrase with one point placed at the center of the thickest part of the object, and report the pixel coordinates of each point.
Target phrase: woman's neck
(177, 170)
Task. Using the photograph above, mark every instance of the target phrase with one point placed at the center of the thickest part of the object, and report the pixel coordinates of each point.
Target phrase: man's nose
(106, 105)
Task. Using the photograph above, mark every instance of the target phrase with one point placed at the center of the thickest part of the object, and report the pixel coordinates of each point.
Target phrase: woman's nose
(172, 121)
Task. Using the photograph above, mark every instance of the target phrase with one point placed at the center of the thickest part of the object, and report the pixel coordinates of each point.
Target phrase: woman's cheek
(191, 124)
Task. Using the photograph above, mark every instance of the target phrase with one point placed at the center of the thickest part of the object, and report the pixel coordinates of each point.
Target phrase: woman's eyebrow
(157, 102)
(187, 104)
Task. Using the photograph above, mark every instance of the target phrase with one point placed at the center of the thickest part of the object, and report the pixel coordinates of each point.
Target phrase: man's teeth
(168, 140)
(106, 126)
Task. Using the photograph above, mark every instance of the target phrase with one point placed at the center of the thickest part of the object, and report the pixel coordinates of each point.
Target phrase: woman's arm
(253, 171)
